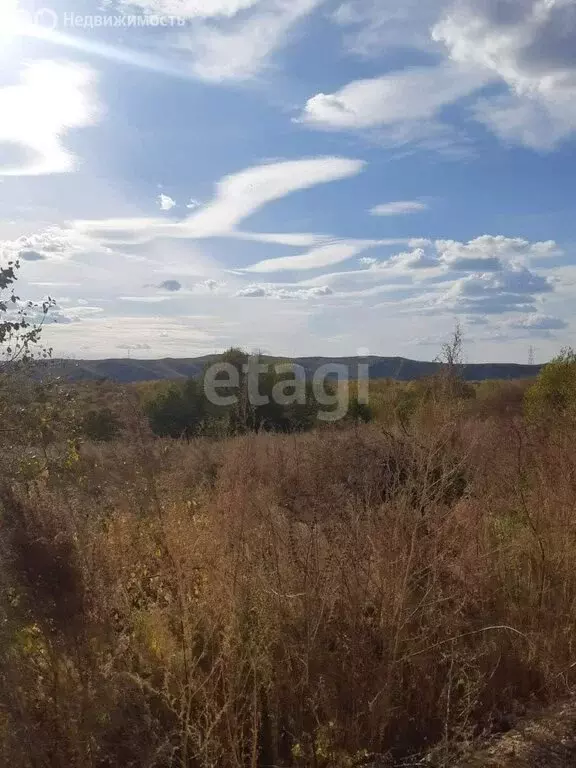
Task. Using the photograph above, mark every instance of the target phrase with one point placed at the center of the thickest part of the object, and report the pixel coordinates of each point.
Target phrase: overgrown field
(314, 599)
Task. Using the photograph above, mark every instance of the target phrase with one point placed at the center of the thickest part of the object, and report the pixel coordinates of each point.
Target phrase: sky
(299, 177)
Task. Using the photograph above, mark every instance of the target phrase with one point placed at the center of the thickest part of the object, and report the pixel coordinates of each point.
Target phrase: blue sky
(295, 176)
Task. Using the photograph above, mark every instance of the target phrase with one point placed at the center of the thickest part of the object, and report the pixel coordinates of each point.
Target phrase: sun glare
(10, 16)
(16, 21)
(11, 22)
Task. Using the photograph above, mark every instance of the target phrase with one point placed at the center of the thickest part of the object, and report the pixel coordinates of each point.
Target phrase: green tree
(554, 392)
(246, 416)
(296, 416)
(178, 411)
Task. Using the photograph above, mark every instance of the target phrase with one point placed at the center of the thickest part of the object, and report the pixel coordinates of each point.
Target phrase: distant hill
(399, 368)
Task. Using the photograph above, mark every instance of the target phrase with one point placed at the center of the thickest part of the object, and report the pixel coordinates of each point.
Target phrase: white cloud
(371, 26)
(538, 122)
(527, 43)
(409, 95)
(100, 337)
(242, 48)
(279, 292)
(294, 239)
(416, 259)
(516, 280)
(211, 285)
(359, 282)
(323, 256)
(487, 253)
(530, 46)
(399, 208)
(514, 289)
(51, 99)
(490, 252)
(537, 322)
(240, 195)
(130, 231)
(165, 202)
(386, 296)
(58, 315)
(193, 204)
(219, 41)
(488, 275)
(190, 9)
(253, 292)
(54, 243)
(525, 46)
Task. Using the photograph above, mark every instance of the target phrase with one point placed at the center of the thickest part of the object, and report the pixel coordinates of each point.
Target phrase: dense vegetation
(256, 598)
(182, 409)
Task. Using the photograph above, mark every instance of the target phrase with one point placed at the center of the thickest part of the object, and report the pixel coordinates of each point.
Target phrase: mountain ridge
(128, 370)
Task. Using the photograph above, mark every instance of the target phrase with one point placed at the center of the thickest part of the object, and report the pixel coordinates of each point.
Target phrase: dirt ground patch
(547, 741)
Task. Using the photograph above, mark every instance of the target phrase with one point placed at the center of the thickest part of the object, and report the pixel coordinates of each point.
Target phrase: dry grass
(287, 601)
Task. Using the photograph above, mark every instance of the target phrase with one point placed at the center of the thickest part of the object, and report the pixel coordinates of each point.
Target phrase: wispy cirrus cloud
(190, 9)
(237, 197)
(242, 49)
(404, 96)
(370, 26)
(228, 40)
(240, 195)
(322, 256)
(399, 208)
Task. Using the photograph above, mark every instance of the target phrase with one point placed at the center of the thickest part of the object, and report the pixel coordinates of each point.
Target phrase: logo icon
(46, 18)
